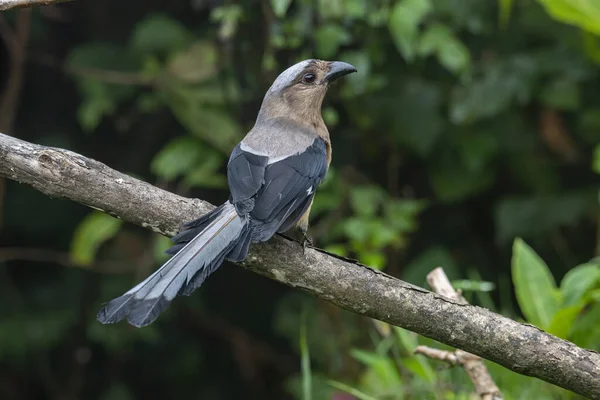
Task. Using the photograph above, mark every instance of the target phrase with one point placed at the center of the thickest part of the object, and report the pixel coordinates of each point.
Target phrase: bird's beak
(337, 69)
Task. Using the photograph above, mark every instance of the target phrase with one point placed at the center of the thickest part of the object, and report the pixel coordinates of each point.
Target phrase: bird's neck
(298, 111)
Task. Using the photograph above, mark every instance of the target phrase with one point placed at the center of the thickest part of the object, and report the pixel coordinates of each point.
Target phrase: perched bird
(272, 176)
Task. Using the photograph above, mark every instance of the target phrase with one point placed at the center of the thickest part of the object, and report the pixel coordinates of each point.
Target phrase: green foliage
(556, 310)
(583, 13)
(93, 230)
(534, 285)
(376, 221)
(159, 34)
(188, 157)
(468, 124)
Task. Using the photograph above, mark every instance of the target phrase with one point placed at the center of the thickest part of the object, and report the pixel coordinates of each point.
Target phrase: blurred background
(468, 139)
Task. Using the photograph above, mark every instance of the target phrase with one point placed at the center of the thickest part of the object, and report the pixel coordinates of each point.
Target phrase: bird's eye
(308, 78)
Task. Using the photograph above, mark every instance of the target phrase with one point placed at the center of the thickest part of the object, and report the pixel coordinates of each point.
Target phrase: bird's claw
(307, 241)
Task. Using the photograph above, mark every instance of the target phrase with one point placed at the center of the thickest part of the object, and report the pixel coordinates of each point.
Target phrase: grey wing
(275, 195)
(288, 190)
(245, 176)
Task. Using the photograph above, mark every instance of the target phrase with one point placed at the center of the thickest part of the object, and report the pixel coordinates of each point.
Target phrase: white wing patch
(309, 191)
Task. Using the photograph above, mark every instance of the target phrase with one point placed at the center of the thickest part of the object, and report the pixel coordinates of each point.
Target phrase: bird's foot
(306, 242)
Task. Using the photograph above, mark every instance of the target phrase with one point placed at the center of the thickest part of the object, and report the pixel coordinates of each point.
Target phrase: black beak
(337, 69)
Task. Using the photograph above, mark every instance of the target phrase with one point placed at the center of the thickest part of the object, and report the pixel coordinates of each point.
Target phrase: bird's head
(300, 89)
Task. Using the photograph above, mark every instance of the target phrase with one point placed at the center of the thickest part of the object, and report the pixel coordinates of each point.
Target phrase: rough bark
(355, 287)
(8, 4)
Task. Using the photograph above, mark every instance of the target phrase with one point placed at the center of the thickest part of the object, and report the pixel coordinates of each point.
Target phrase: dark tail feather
(192, 229)
(222, 231)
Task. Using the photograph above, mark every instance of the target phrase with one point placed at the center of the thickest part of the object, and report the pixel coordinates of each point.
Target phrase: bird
(272, 175)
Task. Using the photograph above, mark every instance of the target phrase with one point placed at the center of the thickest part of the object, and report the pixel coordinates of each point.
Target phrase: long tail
(201, 249)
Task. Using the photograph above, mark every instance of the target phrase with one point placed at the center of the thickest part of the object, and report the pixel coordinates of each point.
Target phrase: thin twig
(473, 365)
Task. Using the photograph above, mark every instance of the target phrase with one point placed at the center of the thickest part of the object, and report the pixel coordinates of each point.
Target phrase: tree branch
(8, 4)
(520, 347)
(474, 367)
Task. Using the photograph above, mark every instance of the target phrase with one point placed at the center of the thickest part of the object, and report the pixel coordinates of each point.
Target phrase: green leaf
(176, 158)
(159, 33)
(438, 39)
(350, 390)
(404, 25)
(383, 367)
(95, 229)
(578, 281)
(582, 13)
(280, 7)
(212, 124)
(563, 320)
(585, 332)
(535, 287)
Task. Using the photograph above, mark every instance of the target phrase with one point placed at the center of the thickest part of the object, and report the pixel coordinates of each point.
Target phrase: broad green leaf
(578, 281)
(280, 7)
(95, 229)
(177, 157)
(585, 332)
(582, 13)
(159, 33)
(404, 25)
(535, 287)
(563, 319)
